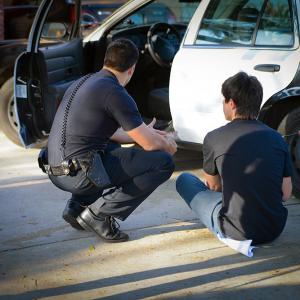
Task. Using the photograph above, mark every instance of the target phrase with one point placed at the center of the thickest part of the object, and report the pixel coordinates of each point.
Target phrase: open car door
(53, 60)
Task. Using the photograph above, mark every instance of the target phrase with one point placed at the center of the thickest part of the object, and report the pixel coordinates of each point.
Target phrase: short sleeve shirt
(99, 108)
(252, 160)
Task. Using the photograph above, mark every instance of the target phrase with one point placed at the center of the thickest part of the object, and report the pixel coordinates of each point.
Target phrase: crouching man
(247, 169)
(96, 110)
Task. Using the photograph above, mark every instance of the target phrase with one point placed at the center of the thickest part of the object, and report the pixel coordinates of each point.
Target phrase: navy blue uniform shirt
(99, 108)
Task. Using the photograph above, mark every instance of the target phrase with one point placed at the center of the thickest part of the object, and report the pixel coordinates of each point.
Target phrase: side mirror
(88, 21)
(54, 30)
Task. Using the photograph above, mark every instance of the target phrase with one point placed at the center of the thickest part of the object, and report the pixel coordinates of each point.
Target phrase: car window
(236, 23)
(165, 11)
(276, 28)
(93, 13)
(59, 22)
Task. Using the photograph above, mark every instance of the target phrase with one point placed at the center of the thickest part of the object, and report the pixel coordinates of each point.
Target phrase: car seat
(158, 104)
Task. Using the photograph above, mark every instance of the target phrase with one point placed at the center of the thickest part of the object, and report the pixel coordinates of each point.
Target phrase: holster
(95, 170)
(92, 165)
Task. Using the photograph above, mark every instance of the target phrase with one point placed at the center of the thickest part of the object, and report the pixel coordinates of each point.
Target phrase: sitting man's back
(251, 160)
(249, 163)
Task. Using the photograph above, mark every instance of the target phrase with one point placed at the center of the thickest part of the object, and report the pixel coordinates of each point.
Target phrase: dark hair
(246, 92)
(121, 55)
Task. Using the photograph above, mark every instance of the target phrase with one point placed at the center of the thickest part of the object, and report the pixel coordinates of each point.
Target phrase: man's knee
(166, 162)
(188, 185)
(182, 181)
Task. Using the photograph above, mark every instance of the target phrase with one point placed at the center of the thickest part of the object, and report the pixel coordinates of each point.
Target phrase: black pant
(135, 172)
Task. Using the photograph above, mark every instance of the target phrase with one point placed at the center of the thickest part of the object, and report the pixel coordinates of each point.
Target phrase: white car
(187, 49)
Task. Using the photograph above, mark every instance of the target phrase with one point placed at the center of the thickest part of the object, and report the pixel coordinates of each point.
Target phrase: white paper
(243, 247)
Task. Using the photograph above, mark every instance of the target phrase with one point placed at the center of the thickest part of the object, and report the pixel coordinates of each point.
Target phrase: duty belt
(68, 167)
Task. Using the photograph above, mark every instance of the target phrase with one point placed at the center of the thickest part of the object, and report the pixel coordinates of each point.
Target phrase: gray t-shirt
(252, 160)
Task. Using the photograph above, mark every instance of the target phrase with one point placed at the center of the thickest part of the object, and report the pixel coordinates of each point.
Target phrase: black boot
(106, 227)
(72, 210)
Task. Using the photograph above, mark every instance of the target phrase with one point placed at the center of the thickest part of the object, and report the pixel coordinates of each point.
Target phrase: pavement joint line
(84, 237)
(282, 273)
(24, 183)
(43, 244)
(74, 239)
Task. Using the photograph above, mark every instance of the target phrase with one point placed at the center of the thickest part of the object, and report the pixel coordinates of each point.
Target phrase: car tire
(8, 120)
(292, 127)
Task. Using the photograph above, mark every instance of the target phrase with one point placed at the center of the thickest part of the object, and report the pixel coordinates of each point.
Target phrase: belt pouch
(43, 159)
(96, 172)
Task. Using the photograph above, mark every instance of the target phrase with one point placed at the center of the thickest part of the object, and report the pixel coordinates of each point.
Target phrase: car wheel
(8, 119)
(292, 129)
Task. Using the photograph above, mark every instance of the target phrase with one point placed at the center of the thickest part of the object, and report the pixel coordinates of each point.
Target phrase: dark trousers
(135, 173)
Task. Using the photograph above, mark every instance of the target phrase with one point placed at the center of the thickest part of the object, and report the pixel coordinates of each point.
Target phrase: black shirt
(252, 160)
(99, 108)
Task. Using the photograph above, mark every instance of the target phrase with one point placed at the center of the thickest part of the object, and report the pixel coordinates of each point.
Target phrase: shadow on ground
(233, 271)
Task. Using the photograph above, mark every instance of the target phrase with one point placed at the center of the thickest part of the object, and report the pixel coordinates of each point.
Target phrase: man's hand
(151, 125)
(213, 182)
(170, 137)
(151, 139)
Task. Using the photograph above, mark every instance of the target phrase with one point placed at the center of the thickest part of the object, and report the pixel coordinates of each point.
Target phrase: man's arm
(120, 136)
(286, 188)
(149, 139)
(213, 182)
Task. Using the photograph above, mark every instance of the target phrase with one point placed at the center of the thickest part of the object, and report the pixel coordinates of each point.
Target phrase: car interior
(157, 30)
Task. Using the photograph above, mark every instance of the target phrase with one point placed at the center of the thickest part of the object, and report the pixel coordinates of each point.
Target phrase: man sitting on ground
(247, 170)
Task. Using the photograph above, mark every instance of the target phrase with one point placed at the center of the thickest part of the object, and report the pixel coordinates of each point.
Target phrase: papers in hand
(243, 247)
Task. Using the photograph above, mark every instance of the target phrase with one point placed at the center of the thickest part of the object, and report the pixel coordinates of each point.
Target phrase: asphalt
(170, 255)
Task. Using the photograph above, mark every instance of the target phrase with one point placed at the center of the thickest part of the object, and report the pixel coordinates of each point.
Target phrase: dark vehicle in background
(94, 12)
(18, 18)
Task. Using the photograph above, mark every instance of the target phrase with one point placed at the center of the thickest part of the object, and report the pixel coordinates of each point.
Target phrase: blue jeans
(204, 202)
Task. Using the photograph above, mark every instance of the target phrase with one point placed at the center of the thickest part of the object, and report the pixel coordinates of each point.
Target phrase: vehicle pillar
(1, 21)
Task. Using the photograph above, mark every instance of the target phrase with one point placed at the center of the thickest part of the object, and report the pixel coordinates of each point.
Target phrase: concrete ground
(169, 256)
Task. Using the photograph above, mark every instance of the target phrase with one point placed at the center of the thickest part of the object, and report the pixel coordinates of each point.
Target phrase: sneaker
(106, 227)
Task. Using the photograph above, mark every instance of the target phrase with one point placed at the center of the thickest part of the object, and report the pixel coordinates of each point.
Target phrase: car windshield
(94, 12)
(165, 11)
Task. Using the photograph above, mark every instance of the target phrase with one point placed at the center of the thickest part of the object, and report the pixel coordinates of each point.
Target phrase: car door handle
(267, 68)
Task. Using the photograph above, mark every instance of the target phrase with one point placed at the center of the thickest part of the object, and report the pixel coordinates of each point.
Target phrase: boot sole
(87, 227)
